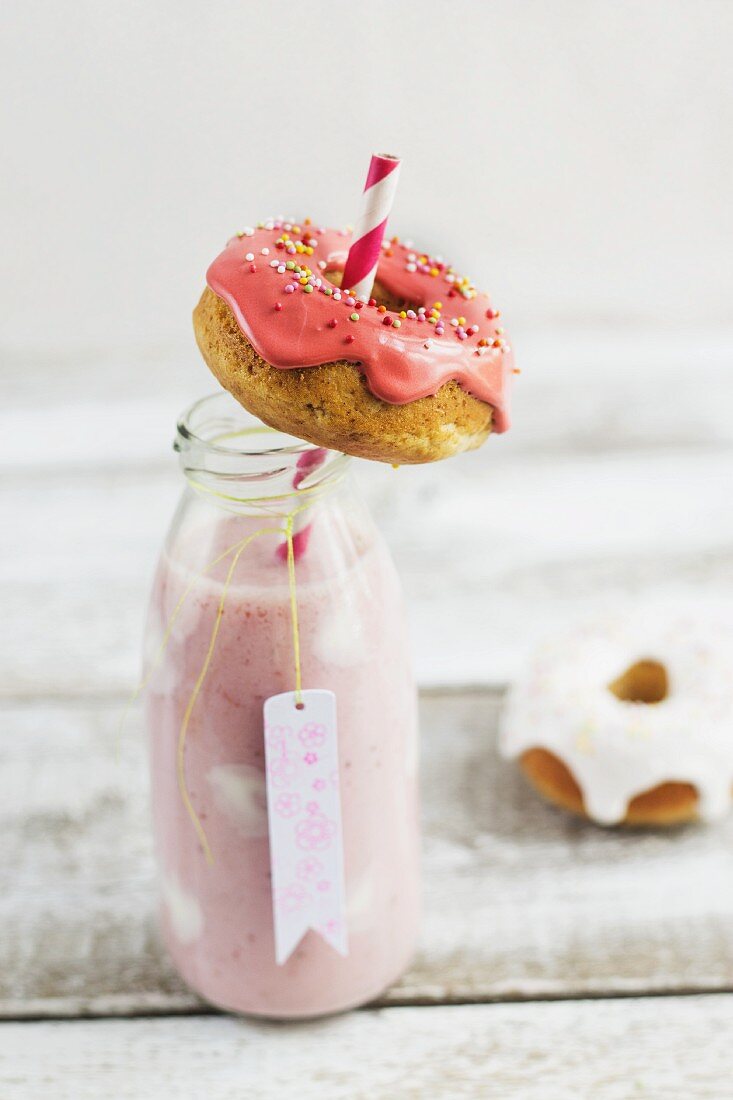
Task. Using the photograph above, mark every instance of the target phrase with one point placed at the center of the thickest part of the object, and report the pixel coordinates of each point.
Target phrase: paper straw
(307, 464)
(379, 192)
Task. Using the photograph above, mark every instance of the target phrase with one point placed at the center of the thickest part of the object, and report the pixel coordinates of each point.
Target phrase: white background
(575, 157)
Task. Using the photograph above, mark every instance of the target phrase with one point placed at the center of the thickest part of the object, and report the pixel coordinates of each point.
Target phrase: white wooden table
(557, 959)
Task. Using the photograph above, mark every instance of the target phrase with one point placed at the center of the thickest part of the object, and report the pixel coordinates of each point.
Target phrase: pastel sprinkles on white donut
(616, 749)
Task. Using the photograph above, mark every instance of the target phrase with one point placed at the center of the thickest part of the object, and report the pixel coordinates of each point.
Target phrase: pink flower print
(311, 758)
(319, 784)
(312, 735)
(293, 897)
(315, 833)
(312, 807)
(324, 884)
(309, 868)
(283, 771)
(287, 805)
(276, 736)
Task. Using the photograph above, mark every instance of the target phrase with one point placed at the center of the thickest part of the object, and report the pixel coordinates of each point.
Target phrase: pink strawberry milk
(220, 643)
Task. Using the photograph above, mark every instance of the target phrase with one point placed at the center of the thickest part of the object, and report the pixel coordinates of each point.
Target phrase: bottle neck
(240, 465)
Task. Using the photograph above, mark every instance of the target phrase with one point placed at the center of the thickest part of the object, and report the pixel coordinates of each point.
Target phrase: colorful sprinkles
(296, 242)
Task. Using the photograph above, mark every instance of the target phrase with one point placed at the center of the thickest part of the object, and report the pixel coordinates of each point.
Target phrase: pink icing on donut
(402, 359)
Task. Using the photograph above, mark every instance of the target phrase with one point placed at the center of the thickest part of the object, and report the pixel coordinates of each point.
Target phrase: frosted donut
(419, 372)
(628, 721)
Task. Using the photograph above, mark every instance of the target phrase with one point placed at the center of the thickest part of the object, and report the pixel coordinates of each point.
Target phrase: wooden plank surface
(613, 486)
(582, 391)
(486, 579)
(673, 1047)
(614, 494)
(520, 900)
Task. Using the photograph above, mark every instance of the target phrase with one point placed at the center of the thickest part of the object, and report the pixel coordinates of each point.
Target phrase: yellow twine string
(265, 504)
(166, 638)
(181, 753)
(237, 549)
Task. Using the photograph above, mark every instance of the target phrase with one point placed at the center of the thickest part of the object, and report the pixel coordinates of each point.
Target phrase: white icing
(240, 793)
(187, 920)
(616, 749)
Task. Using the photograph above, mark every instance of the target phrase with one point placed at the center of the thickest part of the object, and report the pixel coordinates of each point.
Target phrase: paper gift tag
(305, 824)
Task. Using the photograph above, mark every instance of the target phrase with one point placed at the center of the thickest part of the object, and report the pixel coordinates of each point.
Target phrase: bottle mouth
(228, 453)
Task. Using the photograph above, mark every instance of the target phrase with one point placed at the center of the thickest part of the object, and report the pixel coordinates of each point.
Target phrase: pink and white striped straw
(359, 272)
(379, 192)
(308, 462)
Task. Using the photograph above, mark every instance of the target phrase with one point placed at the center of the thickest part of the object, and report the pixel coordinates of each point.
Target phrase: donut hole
(381, 295)
(645, 681)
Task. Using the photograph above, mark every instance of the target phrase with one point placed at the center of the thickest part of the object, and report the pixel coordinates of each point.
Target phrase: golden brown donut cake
(629, 720)
(418, 372)
(665, 804)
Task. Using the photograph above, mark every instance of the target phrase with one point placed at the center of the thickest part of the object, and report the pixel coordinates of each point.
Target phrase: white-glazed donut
(615, 749)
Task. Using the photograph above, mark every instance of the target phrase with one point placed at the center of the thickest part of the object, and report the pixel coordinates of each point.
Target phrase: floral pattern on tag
(305, 823)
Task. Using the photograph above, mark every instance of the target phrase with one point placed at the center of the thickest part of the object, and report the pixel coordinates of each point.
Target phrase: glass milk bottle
(221, 641)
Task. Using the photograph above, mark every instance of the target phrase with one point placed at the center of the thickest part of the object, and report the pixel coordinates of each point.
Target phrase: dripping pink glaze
(397, 365)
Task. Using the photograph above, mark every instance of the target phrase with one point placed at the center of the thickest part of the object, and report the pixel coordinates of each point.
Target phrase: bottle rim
(220, 408)
(227, 452)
